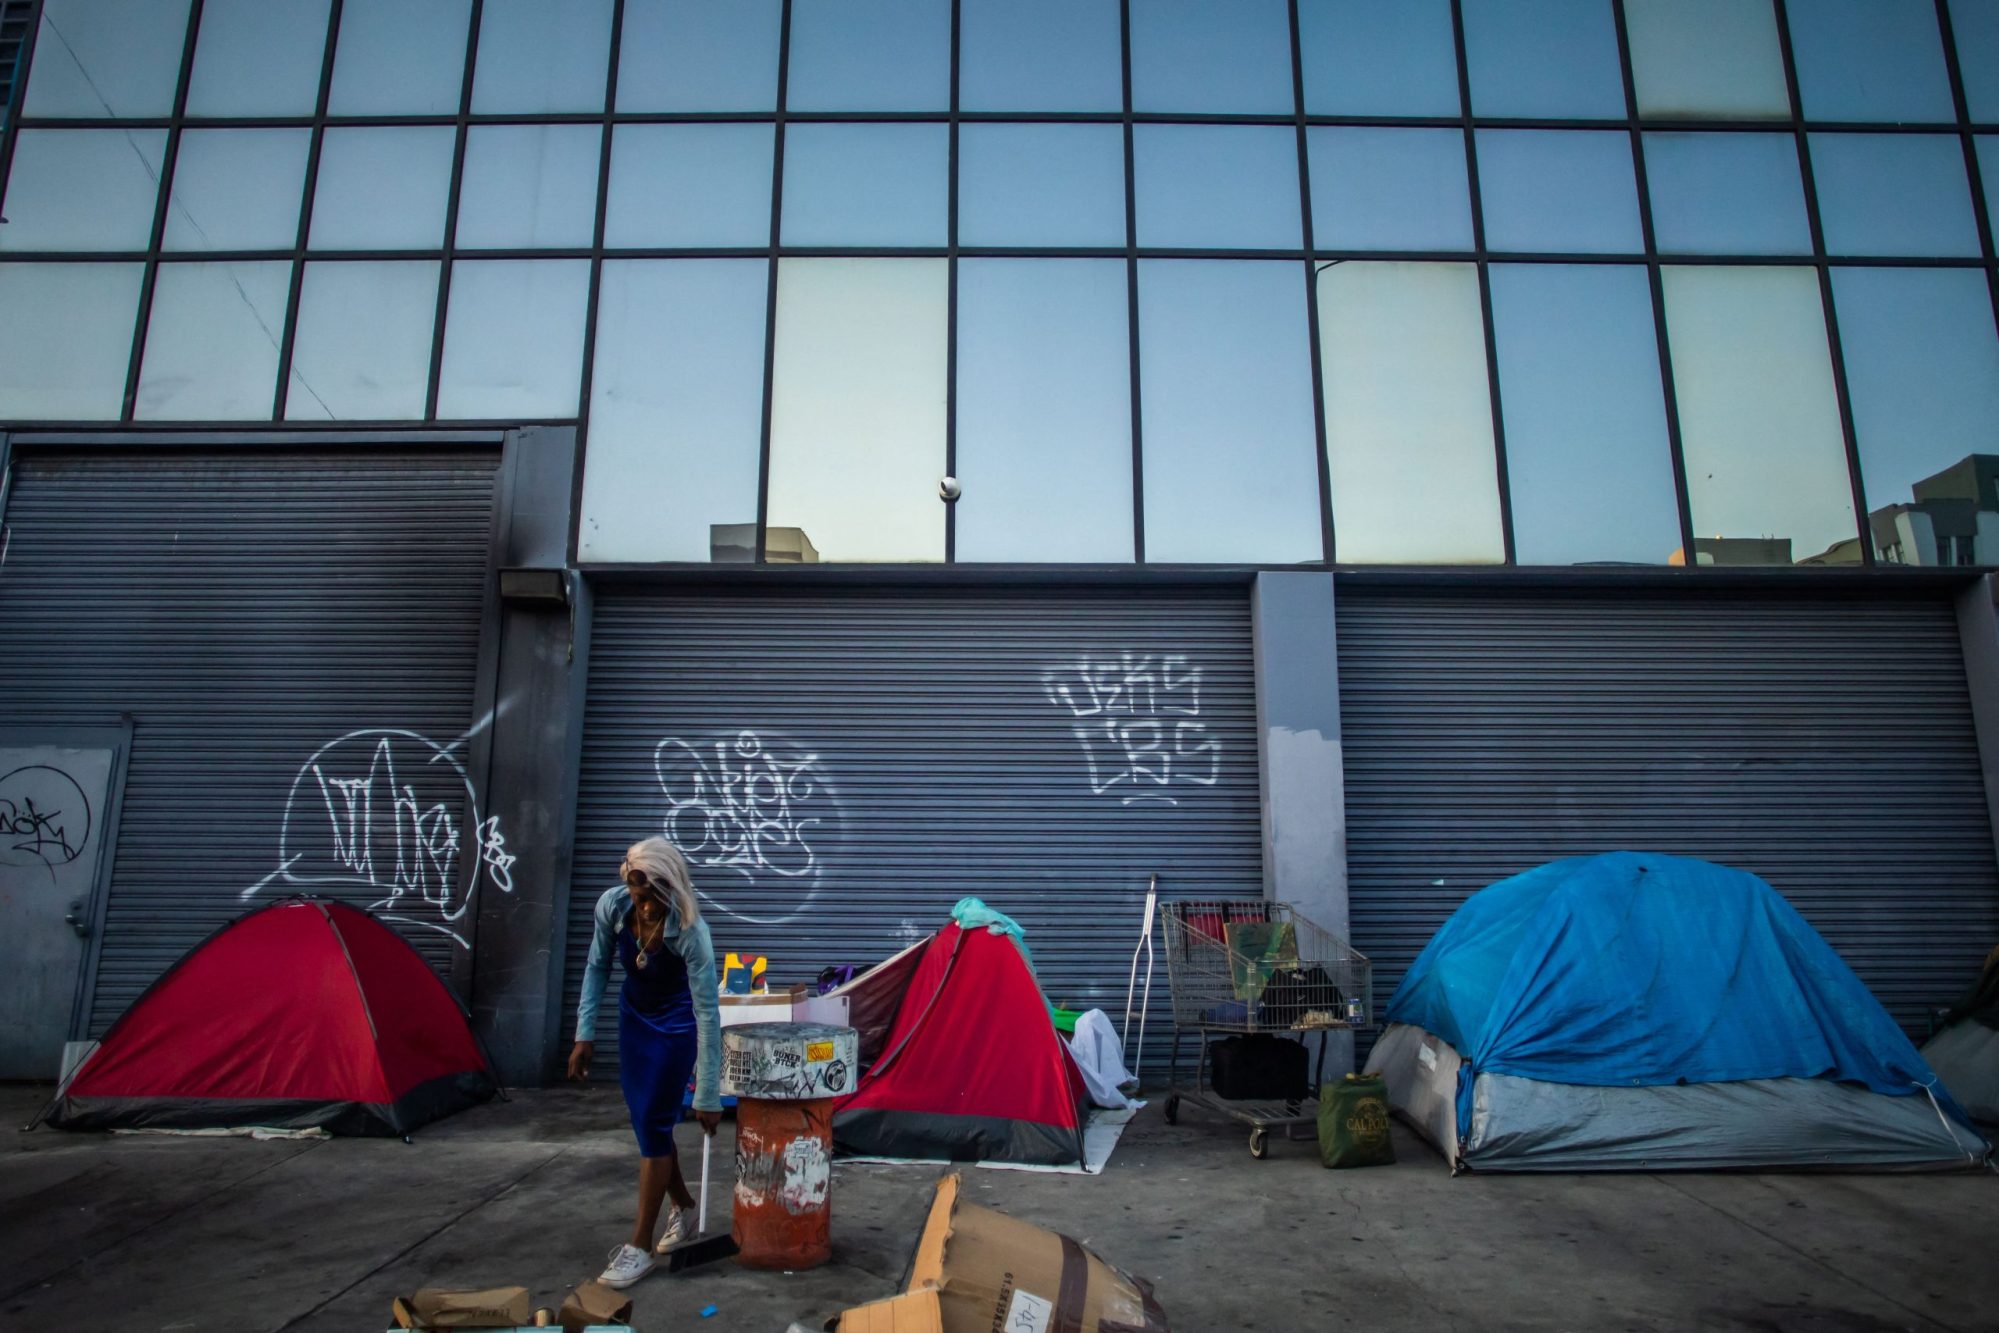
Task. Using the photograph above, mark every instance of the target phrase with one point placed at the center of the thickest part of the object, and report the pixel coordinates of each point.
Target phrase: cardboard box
(593, 1305)
(775, 1006)
(828, 1009)
(976, 1270)
(435, 1307)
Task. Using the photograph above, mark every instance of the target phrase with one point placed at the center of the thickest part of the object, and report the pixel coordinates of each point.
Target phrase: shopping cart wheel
(1259, 1143)
(1172, 1110)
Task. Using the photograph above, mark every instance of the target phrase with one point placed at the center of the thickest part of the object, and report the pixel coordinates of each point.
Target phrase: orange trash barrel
(786, 1078)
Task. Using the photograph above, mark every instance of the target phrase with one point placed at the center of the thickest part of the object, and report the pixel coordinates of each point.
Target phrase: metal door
(1823, 742)
(295, 632)
(59, 798)
(843, 766)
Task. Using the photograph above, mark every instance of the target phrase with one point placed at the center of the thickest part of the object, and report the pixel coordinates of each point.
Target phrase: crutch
(1144, 945)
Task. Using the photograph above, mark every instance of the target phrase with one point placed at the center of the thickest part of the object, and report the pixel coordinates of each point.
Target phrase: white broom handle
(701, 1220)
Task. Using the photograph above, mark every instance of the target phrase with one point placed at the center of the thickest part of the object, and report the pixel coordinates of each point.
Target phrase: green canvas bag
(1353, 1122)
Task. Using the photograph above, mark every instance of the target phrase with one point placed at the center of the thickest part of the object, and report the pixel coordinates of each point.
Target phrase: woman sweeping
(669, 1026)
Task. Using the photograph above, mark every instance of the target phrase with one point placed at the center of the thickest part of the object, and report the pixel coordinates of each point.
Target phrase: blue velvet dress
(657, 1041)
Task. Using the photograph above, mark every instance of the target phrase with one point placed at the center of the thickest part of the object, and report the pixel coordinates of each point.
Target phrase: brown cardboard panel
(990, 1271)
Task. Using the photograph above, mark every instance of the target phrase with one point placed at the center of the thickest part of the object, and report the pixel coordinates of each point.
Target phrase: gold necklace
(639, 959)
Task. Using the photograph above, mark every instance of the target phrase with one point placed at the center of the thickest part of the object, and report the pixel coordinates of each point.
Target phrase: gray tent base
(1521, 1124)
(1966, 1057)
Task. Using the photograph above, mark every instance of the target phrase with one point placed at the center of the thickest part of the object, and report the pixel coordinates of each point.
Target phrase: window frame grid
(1311, 257)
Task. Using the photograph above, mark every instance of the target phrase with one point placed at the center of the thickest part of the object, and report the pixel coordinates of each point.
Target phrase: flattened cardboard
(493, 1307)
(986, 1271)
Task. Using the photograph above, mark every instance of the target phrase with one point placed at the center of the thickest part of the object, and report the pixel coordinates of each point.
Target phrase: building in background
(446, 442)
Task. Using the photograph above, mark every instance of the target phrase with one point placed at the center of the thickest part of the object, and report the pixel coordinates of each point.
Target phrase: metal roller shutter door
(1826, 745)
(843, 767)
(248, 609)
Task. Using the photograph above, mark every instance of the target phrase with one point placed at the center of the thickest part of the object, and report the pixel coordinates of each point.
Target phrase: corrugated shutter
(1826, 745)
(843, 767)
(14, 17)
(247, 609)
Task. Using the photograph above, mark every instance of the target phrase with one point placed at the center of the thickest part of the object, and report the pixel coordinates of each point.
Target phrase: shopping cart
(1244, 966)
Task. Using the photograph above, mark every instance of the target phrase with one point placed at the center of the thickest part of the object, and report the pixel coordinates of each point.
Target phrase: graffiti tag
(753, 803)
(389, 811)
(1137, 719)
(44, 817)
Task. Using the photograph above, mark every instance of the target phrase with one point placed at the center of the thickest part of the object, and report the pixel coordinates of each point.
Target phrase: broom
(703, 1249)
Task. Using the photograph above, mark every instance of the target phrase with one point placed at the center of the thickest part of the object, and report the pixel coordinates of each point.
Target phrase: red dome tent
(307, 1013)
(973, 1069)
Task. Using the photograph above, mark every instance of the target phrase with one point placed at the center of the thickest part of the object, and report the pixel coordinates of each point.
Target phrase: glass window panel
(869, 55)
(99, 58)
(1588, 463)
(1408, 415)
(676, 411)
(1041, 185)
(1988, 173)
(866, 184)
(257, 58)
(1044, 410)
(1543, 58)
(1389, 189)
(1363, 58)
(1759, 426)
(396, 58)
(513, 338)
(1727, 194)
(362, 350)
(212, 341)
(1561, 191)
(237, 190)
(1893, 194)
(1226, 186)
(67, 339)
(83, 189)
(535, 58)
(529, 185)
(1922, 373)
(1040, 55)
(1229, 441)
(689, 185)
(383, 188)
(1705, 58)
(695, 55)
(857, 409)
(1975, 27)
(1211, 56)
(1870, 60)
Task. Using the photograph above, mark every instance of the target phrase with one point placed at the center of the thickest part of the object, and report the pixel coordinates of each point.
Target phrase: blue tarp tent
(1636, 1010)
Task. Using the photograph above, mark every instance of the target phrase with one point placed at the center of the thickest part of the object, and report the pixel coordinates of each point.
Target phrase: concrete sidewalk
(197, 1235)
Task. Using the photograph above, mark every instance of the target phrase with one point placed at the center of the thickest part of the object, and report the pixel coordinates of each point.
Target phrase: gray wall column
(1298, 753)
(1978, 634)
(533, 748)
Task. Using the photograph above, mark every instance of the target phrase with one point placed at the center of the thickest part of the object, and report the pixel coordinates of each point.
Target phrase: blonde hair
(666, 870)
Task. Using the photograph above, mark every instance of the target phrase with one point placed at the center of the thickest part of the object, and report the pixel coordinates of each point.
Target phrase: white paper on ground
(237, 1132)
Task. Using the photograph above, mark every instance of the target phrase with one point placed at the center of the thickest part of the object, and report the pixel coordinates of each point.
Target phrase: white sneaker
(629, 1263)
(679, 1227)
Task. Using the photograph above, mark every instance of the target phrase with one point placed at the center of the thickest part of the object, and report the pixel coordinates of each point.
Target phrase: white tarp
(1101, 1058)
(1521, 1124)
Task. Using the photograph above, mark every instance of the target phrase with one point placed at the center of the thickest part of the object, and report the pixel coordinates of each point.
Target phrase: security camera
(948, 489)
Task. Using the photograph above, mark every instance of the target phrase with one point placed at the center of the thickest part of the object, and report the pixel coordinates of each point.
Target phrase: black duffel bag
(1261, 1068)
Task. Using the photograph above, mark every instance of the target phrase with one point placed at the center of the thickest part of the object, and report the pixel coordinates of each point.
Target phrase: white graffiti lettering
(1137, 718)
(383, 809)
(753, 803)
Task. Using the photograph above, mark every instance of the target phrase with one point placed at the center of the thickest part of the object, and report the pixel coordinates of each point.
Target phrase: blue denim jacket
(697, 951)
